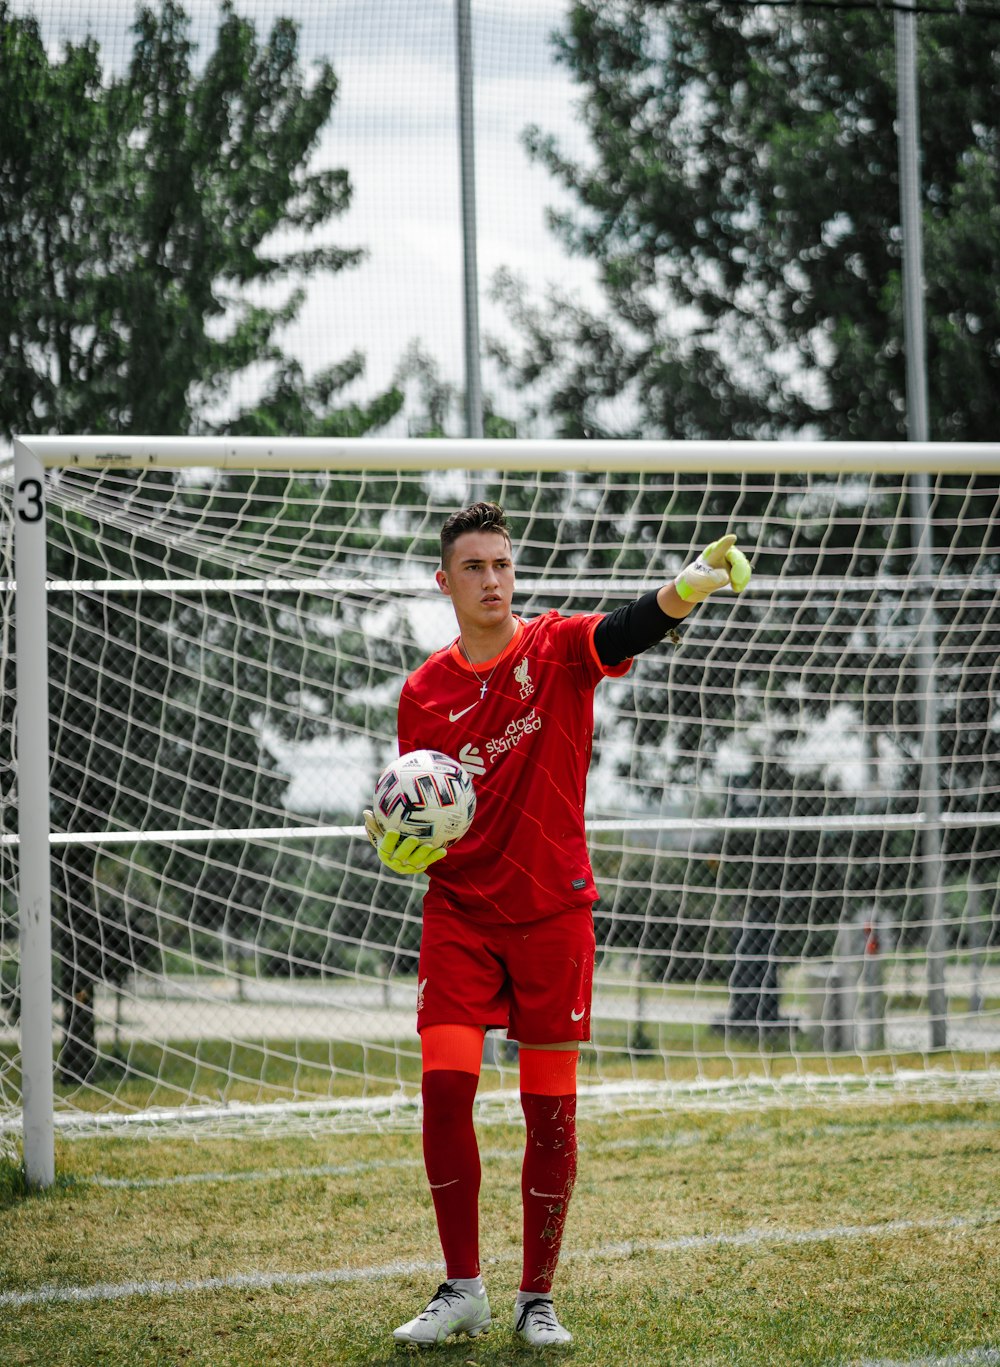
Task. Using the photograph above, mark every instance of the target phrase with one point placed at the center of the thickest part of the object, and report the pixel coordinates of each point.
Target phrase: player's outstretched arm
(408, 856)
(634, 627)
(722, 565)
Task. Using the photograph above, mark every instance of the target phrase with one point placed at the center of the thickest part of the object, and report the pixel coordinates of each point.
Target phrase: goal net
(794, 811)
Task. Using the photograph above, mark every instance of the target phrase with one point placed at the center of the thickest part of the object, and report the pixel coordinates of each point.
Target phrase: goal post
(34, 890)
(794, 813)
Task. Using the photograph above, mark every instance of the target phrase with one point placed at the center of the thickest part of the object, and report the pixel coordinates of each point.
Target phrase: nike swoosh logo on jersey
(577, 1015)
(454, 716)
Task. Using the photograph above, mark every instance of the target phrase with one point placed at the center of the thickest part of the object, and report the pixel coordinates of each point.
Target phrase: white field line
(264, 1281)
(261, 1175)
(972, 1357)
(682, 1139)
(360, 1166)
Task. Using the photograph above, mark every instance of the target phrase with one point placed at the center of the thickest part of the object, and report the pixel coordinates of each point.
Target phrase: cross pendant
(482, 691)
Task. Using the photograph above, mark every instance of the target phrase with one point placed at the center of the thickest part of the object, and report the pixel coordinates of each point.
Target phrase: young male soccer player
(508, 931)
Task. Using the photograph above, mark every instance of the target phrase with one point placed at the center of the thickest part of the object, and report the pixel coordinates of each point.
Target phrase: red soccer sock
(546, 1183)
(451, 1158)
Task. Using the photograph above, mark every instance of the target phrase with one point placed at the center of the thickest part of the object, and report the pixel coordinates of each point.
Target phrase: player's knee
(448, 1096)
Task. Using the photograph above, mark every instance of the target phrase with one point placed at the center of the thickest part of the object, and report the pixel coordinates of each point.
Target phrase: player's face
(479, 580)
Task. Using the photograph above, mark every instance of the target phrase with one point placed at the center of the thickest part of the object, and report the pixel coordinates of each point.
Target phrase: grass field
(139, 1076)
(815, 1235)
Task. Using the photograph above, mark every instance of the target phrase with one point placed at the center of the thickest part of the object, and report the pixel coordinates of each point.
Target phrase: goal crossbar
(600, 455)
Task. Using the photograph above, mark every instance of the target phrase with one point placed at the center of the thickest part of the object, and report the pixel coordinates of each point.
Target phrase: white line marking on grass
(261, 1175)
(759, 1237)
(682, 1139)
(237, 1281)
(264, 1281)
(972, 1357)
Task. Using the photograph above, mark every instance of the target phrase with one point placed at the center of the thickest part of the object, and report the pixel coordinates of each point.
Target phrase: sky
(395, 130)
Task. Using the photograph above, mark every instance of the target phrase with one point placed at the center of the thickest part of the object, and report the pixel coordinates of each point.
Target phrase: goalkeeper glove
(720, 566)
(403, 854)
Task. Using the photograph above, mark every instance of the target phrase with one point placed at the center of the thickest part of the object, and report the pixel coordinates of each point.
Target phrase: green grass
(13, 1187)
(140, 1075)
(214, 1071)
(303, 1205)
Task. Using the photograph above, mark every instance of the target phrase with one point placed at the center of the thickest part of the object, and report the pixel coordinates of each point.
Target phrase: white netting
(786, 910)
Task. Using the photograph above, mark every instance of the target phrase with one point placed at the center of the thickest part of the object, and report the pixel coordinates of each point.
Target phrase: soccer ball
(426, 794)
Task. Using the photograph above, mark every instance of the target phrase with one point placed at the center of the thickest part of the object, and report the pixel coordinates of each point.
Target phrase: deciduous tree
(740, 202)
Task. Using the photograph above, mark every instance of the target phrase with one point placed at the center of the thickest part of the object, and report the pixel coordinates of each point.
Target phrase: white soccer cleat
(449, 1311)
(536, 1322)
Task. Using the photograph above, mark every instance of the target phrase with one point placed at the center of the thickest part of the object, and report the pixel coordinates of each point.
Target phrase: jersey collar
(486, 666)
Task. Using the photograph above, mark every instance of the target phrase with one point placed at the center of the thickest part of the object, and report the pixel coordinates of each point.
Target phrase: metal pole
(908, 134)
(34, 889)
(495, 453)
(914, 341)
(466, 133)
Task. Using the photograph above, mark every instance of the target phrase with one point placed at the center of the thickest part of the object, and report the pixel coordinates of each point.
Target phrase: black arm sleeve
(631, 629)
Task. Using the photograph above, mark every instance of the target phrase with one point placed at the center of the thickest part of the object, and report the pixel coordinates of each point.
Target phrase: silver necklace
(483, 683)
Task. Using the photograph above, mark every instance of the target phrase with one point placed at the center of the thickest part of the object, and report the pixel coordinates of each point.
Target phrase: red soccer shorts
(535, 979)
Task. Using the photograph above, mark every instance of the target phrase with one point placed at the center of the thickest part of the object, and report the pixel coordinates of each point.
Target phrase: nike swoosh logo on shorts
(577, 1015)
(454, 716)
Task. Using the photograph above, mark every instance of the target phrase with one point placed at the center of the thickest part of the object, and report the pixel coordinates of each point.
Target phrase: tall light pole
(915, 346)
(467, 156)
(908, 137)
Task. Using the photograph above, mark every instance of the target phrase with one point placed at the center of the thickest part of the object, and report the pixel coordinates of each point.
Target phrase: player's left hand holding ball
(722, 565)
(403, 854)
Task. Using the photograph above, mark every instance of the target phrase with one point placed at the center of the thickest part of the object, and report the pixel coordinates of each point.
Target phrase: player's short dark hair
(478, 517)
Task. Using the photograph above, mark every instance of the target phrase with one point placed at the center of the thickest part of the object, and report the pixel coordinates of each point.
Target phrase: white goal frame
(34, 455)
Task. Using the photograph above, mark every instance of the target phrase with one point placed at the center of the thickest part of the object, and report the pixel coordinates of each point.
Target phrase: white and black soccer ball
(427, 794)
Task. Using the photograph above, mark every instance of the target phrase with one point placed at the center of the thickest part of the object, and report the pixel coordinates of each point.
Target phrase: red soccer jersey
(527, 744)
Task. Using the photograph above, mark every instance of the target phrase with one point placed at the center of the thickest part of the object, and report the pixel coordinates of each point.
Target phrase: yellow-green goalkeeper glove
(722, 565)
(403, 854)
